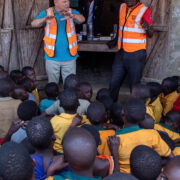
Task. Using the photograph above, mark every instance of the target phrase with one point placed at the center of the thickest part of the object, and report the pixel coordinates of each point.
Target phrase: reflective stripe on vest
(51, 35)
(131, 33)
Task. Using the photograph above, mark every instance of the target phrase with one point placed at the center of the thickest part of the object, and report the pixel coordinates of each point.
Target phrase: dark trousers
(124, 62)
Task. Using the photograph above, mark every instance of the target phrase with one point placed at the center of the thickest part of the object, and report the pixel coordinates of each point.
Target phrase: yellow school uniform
(168, 101)
(104, 134)
(36, 95)
(157, 109)
(176, 151)
(168, 129)
(61, 124)
(149, 111)
(134, 136)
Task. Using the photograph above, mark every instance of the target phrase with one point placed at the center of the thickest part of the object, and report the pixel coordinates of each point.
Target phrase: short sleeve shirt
(62, 46)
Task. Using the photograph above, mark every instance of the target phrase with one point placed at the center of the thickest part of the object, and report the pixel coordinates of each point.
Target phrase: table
(95, 46)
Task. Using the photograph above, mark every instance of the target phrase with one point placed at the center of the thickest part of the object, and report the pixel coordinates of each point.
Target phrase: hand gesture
(49, 20)
(67, 15)
(113, 143)
(77, 121)
(146, 25)
(57, 164)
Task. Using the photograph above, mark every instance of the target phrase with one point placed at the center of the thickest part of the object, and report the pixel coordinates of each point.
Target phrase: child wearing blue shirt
(52, 91)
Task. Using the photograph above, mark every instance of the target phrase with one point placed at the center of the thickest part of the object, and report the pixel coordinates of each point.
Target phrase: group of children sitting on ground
(69, 136)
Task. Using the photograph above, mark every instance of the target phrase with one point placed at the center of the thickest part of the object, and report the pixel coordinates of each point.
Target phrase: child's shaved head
(79, 149)
(145, 163)
(15, 162)
(147, 123)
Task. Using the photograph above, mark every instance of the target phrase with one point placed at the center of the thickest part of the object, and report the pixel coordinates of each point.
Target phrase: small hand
(111, 44)
(111, 126)
(77, 121)
(57, 164)
(113, 143)
(16, 124)
(146, 25)
(49, 20)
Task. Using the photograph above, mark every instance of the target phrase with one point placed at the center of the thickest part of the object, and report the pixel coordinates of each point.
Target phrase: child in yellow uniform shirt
(169, 95)
(61, 123)
(132, 135)
(142, 92)
(171, 123)
(96, 113)
(29, 72)
(154, 102)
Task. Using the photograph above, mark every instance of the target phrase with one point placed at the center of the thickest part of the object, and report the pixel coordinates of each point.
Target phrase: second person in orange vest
(134, 27)
(60, 40)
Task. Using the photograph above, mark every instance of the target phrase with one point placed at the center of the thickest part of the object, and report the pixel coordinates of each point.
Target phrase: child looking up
(15, 162)
(169, 95)
(30, 73)
(155, 103)
(80, 152)
(29, 86)
(40, 135)
(142, 92)
(145, 163)
(84, 90)
(16, 76)
(8, 105)
(132, 136)
(52, 91)
(96, 113)
(171, 123)
(61, 123)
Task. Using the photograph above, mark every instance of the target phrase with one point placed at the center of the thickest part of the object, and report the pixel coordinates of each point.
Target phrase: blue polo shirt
(62, 46)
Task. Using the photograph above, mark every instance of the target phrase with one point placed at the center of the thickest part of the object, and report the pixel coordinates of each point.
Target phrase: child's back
(8, 106)
(52, 91)
(61, 123)
(132, 136)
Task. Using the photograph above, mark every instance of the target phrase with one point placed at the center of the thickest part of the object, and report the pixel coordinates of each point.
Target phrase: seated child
(85, 91)
(145, 163)
(40, 135)
(103, 165)
(61, 123)
(26, 111)
(30, 73)
(8, 106)
(80, 152)
(132, 136)
(107, 101)
(70, 82)
(171, 171)
(171, 123)
(29, 86)
(102, 92)
(142, 92)
(169, 95)
(120, 176)
(96, 113)
(155, 103)
(20, 93)
(52, 91)
(16, 76)
(15, 162)
(116, 115)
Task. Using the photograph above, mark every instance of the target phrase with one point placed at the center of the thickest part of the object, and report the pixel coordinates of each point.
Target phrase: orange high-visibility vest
(51, 35)
(131, 33)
